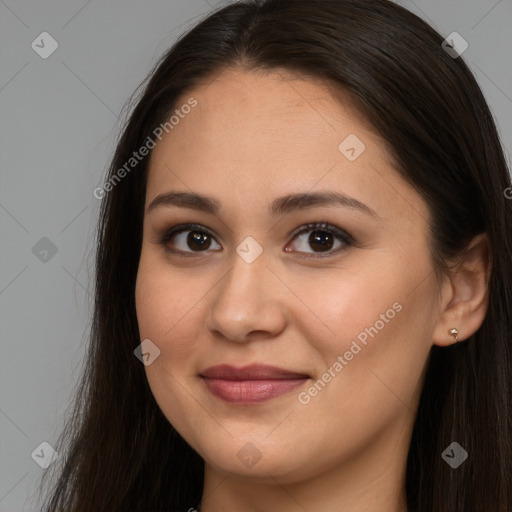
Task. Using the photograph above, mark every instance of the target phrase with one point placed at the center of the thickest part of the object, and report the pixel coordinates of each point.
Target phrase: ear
(465, 294)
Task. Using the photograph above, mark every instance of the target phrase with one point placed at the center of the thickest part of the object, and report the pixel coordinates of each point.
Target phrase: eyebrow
(280, 206)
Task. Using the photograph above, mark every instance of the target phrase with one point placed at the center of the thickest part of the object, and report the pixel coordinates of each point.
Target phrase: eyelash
(314, 226)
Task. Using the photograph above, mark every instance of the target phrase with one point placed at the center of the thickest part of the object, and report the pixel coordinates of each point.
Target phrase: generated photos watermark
(143, 151)
(304, 397)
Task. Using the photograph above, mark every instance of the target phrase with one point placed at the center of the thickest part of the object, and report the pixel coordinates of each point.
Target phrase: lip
(250, 372)
(250, 384)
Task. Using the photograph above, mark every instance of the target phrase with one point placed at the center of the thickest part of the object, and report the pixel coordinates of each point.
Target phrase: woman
(303, 292)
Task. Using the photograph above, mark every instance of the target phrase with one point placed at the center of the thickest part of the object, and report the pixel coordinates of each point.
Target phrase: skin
(253, 137)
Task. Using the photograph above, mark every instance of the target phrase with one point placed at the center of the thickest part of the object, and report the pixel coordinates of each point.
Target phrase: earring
(454, 332)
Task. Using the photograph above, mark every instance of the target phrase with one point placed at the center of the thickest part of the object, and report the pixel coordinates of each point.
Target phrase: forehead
(263, 134)
(262, 103)
(277, 98)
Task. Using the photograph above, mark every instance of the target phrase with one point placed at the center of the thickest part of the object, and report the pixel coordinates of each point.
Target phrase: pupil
(195, 237)
(315, 238)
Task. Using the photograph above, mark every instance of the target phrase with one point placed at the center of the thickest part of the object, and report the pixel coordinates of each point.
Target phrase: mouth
(250, 384)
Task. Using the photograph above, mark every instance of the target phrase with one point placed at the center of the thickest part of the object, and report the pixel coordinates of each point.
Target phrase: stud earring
(454, 332)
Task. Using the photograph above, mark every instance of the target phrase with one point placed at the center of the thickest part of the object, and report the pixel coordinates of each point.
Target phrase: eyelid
(180, 228)
(323, 226)
(347, 239)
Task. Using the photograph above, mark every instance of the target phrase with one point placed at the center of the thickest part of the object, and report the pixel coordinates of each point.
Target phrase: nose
(248, 303)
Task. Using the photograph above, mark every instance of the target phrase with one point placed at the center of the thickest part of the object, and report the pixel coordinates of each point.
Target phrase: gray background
(59, 121)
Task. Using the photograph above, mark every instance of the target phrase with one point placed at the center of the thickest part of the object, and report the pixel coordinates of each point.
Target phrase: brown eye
(322, 238)
(193, 239)
(198, 240)
(187, 240)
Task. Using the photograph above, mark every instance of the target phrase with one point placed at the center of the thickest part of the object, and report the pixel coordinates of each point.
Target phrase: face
(347, 307)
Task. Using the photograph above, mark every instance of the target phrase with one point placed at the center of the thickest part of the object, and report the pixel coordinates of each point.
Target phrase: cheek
(166, 313)
(357, 306)
(372, 334)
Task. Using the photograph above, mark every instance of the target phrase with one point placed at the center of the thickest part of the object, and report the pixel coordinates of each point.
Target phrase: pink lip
(250, 384)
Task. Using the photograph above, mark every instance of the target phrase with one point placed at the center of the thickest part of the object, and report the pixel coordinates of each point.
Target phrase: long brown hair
(121, 453)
